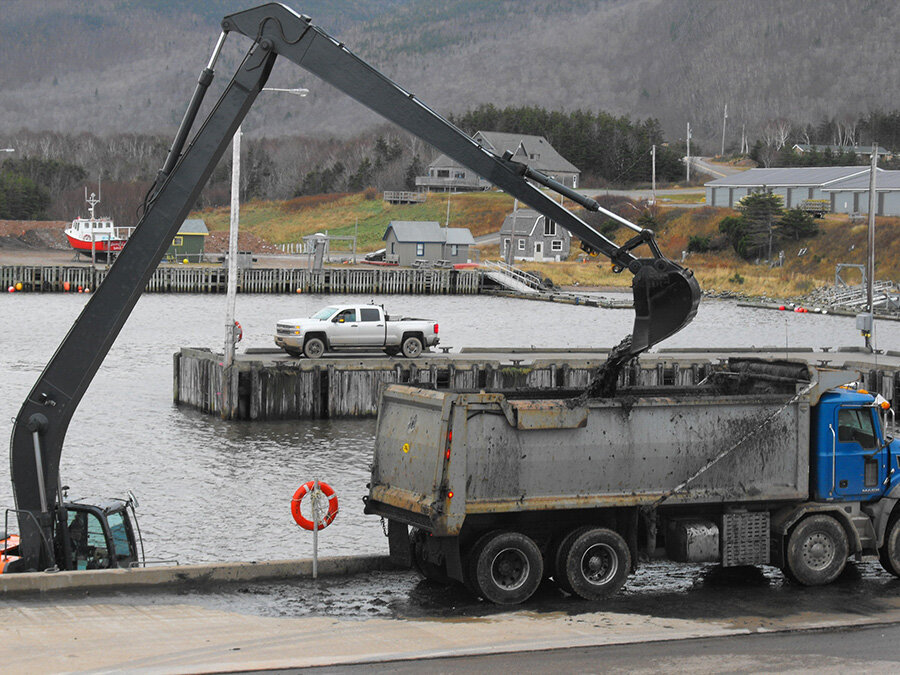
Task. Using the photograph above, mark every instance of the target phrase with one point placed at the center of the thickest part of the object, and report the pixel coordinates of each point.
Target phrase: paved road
(386, 617)
(869, 650)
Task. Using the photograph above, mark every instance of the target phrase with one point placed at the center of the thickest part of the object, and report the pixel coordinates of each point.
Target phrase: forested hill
(130, 65)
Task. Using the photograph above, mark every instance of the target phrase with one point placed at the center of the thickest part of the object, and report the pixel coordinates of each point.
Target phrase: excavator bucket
(666, 297)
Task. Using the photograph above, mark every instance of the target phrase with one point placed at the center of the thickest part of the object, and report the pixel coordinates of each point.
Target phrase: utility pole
(867, 325)
(653, 171)
(688, 162)
(725, 117)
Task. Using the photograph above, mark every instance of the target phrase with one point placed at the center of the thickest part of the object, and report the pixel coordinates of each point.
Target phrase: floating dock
(270, 385)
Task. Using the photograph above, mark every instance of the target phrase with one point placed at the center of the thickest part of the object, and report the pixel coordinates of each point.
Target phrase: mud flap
(666, 297)
(398, 544)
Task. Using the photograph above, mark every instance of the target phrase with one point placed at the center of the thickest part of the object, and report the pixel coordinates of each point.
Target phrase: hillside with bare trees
(130, 65)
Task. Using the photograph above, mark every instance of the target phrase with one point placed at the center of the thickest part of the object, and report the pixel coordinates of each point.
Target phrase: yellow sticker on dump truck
(406, 447)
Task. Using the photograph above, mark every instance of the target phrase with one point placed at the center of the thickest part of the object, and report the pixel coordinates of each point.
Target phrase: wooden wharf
(214, 279)
(270, 385)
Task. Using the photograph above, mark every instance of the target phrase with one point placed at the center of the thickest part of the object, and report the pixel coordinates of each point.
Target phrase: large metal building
(793, 184)
(851, 195)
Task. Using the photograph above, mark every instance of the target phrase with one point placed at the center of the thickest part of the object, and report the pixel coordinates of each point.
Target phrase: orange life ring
(301, 492)
(239, 332)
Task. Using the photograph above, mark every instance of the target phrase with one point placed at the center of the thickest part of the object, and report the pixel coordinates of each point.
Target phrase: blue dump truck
(766, 463)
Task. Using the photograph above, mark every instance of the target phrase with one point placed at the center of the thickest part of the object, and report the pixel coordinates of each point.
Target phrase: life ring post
(317, 490)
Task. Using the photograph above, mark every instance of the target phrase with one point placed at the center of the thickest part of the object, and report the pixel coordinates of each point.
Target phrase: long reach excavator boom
(666, 295)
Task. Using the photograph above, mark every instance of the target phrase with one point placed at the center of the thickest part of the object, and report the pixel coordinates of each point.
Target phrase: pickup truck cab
(350, 327)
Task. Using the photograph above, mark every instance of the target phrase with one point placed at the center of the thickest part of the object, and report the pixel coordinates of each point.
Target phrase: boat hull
(99, 248)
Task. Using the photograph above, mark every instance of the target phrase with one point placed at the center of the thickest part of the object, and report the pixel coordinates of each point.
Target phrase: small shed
(190, 242)
(529, 235)
(408, 241)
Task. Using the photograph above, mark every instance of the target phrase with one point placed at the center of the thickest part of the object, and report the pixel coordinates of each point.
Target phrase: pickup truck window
(369, 314)
(856, 425)
(324, 314)
(348, 316)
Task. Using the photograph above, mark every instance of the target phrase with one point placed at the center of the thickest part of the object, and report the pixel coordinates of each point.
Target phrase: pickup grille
(285, 329)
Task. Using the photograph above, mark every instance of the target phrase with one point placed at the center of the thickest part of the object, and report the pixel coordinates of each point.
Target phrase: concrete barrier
(200, 574)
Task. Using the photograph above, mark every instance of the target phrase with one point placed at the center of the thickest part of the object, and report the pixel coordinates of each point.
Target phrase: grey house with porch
(529, 235)
(406, 242)
(447, 175)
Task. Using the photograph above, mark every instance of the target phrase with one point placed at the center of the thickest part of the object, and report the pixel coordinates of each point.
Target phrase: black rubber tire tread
(829, 533)
(889, 553)
(614, 550)
(296, 353)
(412, 347)
(311, 348)
(470, 562)
(560, 555)
(515, 547)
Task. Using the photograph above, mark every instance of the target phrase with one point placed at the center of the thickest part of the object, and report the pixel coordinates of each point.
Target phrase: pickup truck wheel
(817, 550)
(559, 559)
(889, 553)
(412, 347)
(314, 348)
(597, 563)
(508, 567)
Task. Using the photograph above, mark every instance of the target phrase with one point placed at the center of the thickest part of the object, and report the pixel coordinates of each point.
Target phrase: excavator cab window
(88, 541)
(122, 538)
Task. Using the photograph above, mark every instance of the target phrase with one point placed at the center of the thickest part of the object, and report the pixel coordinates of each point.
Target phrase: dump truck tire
(817, 550)
(597, 563)
(889, 553)
(508, 567)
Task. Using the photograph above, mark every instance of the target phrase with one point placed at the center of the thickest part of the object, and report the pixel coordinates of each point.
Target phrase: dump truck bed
(442, 456)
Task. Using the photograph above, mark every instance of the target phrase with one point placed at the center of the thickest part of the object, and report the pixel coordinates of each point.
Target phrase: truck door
(371, 327)
(344, 328)
(860, 464)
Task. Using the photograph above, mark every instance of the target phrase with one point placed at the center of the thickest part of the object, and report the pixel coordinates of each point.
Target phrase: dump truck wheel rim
(510, 569)
(818, 551)
(599, 564)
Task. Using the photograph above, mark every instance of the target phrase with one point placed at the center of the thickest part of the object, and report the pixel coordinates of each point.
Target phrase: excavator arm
(666, 295)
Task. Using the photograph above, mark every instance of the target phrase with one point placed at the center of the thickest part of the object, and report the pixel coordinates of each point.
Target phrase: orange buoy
(781, 308)
(66, 286)
(301, 492)
(299, 290)
(19, 286)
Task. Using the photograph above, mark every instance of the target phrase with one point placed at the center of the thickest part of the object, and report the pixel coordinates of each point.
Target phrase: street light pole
(231, 298)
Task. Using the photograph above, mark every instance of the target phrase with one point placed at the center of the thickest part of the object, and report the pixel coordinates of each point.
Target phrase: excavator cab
(100, 536)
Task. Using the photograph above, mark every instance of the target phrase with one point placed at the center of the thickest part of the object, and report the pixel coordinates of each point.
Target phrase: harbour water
(216, 491)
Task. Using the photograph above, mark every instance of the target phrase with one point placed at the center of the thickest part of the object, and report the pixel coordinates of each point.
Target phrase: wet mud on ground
(749, 597)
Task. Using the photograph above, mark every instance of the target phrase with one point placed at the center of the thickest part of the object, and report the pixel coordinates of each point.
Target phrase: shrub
(698, 244)
(736, 278)
(369, 194)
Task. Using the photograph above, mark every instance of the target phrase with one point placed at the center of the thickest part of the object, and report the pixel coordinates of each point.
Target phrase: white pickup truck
(340, 327)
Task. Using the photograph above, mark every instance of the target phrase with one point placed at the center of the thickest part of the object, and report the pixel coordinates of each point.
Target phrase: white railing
(513, 273)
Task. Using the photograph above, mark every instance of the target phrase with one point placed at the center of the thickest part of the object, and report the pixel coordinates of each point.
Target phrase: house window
(459, 174)
(521, 244)
(393, 247)
(506, 244)
(556, 245)
(443, 173)
(535, 156)
(178, 241)
(549, 228)
(420, 249)
(454, 249)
